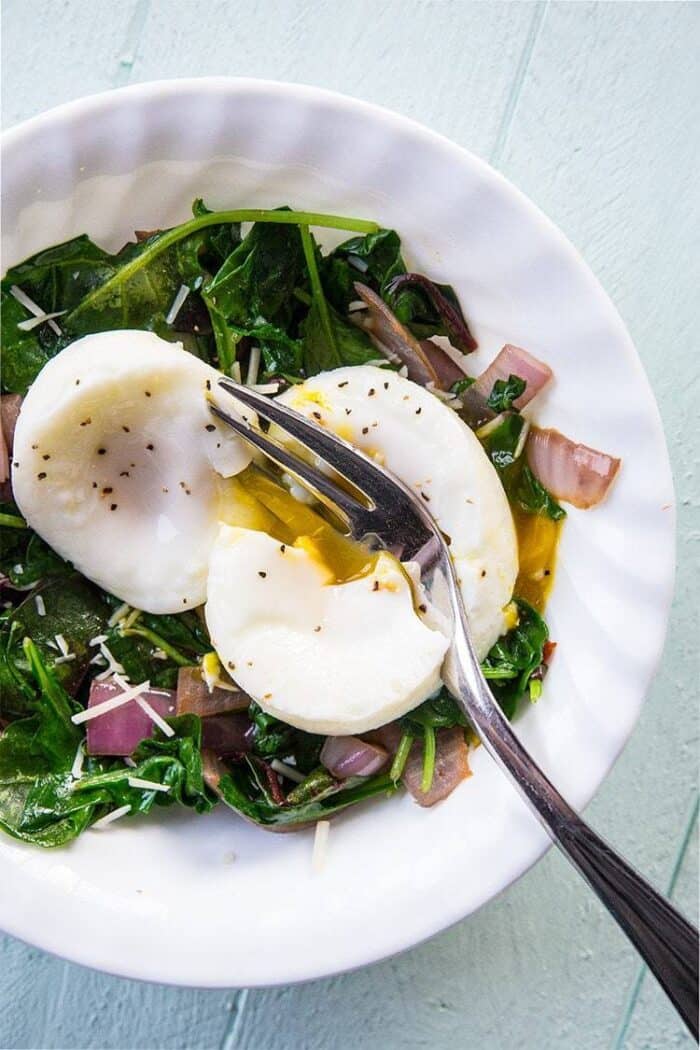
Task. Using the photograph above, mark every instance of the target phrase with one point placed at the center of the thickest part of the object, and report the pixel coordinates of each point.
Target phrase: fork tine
(354, 515)
(341, 457)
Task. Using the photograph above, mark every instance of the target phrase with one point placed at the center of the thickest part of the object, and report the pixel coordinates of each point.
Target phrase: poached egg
(119, 465)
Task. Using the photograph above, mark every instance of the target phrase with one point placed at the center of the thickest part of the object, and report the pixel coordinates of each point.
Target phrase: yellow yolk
(267, 506)
(538, 537)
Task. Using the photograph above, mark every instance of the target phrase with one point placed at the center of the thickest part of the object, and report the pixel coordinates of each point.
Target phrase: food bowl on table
(212, 901)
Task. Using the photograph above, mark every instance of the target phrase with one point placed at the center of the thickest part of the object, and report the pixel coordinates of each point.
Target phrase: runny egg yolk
(257, 501)
(538, 537)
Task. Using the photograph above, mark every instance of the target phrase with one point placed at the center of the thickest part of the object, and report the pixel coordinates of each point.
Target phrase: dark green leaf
(329, 342)
(373, 260)
(75, 609)
(515, 656)
(505, 392)
(503, 442)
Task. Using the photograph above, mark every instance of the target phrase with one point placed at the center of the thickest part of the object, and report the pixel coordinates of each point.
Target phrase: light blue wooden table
(589, 109)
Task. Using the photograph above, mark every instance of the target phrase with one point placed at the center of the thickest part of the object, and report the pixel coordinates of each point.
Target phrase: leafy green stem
(428, 758)
(215, 218)
(319, 299)
(401, 756)
(12, 521)
(145, 632)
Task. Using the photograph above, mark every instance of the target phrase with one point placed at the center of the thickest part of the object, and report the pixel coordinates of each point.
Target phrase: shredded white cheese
(318, 858)
(64, 659)
(155, 717)
(130, 620)
(177, 303)
(114, 815)
(119, 613)
(403, 371)
(113, 668)
(132, 693)
(98, 660)
(264, 388)
(97, 640)
(40, 606)
(287, 771)
(29, 304)
(236, 372)
(129, 762)
(253, 366)
(62, 644)
(76, 770)
(147, 785)
(34, 322)
(158, 654)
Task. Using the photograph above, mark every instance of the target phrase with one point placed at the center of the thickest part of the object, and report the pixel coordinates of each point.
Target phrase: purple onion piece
(194, 697)
(120, 731)
(348, 756)
(227, 734)
(453, 319)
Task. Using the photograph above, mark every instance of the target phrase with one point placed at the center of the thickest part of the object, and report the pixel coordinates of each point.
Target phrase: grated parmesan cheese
(34, 322)
(155, 717)
(132, 693)
(236, 372)
(110, 817)
(40, 606)
(264, 388)
(76, 770)
(158, 654)
(29, 304)
(253, 366)
(403, 371)
(147, 785)
(287, 771)
(97, 640)
(62, 644)
(129, 762)
(66, 659)
(177, 303)
(318, 858)
(119, 614)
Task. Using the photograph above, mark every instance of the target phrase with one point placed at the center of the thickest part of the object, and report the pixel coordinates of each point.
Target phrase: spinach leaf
(75, 609)
(275, 739)
(505, 392)
(282, 355)
(329, 341)
(24, 557)
(439, 712)
(56, 279)
(221, 240)
(513, 659)
(254, 286)
(180, 638)
(373, 260)
(504, 445)
(241, 793)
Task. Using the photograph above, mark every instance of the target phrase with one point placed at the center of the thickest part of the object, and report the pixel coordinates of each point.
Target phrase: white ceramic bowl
(162, 898)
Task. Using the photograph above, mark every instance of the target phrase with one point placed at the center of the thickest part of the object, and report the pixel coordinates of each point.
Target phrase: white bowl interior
(165, 898)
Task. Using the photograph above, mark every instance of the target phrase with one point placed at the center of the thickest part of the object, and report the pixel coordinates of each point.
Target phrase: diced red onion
(453, 319)
(447, 370)
(120, 731)
(572, 472)
(451, 761)
(348, 756)
(227, 734)
(213, 769)
(4, 459)
(10, 405)
(514, 361)
(193, 696)
(392, 338)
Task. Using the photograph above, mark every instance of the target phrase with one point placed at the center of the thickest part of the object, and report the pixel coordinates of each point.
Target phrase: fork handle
(667, 942)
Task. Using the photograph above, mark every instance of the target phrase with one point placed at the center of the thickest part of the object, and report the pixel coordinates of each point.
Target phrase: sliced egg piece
(120, 466)
(424, 443)
(326, 657)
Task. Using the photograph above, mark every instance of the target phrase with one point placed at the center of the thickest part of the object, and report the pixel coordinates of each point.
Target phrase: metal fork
(380, 509)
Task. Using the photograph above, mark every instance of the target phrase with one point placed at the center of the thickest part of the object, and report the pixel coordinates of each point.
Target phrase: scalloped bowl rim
(99, 953)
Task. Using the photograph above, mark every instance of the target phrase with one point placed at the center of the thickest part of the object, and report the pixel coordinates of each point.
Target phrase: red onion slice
(451, 762)
(390, 335)
(453, 319)
(120, 731)
(447, 370)
(514, 361)
(4, 459)
(193, 696)
(572, 472)
(348, 756)
(227, 734)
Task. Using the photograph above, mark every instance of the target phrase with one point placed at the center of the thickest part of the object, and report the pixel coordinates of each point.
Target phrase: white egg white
(326, 657)
(119, 466)
(424, 443)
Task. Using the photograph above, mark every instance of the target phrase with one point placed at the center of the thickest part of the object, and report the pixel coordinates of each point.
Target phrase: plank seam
(515, 92)
(633, 997)
(130, 45)
(230, 1036)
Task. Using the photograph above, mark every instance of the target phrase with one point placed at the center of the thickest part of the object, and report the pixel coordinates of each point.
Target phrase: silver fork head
(383, 511)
